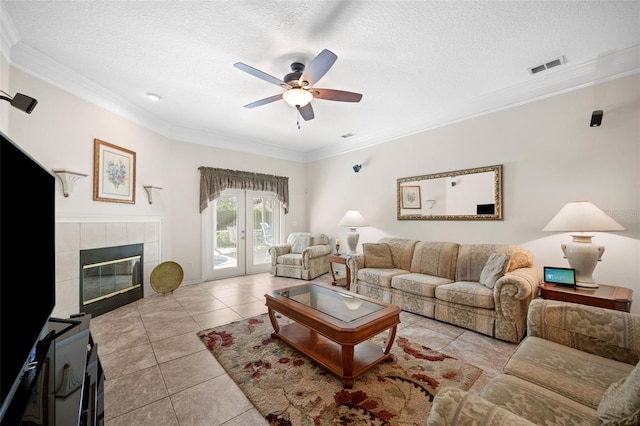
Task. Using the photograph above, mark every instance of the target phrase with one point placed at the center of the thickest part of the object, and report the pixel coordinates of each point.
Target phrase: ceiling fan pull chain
(298, 116)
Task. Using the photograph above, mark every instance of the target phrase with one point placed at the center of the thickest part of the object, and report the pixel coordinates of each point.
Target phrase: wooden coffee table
(334, 327)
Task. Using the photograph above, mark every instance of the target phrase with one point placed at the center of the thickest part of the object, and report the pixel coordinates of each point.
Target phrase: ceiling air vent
(554, 63)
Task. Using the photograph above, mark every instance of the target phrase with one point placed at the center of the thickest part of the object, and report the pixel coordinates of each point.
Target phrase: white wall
(550, 155)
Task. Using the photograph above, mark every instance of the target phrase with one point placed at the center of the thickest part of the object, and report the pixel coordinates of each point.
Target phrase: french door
(238, 229)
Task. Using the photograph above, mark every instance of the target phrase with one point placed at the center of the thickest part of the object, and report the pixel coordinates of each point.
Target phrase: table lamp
(352, 220)
(582, 254)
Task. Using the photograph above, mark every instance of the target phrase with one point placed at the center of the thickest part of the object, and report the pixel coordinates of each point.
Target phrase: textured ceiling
(418, 64)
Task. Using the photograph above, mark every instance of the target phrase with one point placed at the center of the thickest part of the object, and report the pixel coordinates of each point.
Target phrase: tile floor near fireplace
(158, 373)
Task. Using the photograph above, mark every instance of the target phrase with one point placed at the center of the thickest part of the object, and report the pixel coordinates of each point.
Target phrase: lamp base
(587, 285)
(583, 256)
(352, 240)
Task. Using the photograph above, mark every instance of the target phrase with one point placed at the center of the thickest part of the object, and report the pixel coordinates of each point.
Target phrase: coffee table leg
(390, 338)
(347, 366)
(274, 322)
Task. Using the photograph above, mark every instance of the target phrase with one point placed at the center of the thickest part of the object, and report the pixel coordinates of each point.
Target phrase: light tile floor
(158, 373)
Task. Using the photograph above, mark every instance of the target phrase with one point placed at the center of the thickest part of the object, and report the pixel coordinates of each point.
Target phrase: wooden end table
(605, 296)
(341, 259)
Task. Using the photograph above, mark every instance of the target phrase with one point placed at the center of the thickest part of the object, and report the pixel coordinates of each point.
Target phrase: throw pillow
(377, 255)
(494, 269)
(620, 404)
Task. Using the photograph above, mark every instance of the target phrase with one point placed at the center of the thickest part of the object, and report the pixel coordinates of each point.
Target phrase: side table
(342, 260)
(605, 296)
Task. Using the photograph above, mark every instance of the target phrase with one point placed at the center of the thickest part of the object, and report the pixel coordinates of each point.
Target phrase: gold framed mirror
(470, 194)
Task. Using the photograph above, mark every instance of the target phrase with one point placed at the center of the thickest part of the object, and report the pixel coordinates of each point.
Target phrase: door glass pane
(263, 229)
(226, 233)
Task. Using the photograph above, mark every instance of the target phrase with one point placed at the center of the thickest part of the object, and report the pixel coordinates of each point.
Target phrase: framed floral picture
(410, 197)
(114, 173)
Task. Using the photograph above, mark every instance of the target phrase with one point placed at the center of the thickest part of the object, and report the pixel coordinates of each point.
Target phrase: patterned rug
(288, 388)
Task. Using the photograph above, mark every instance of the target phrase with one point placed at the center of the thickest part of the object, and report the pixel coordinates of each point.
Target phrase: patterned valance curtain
(213, 181)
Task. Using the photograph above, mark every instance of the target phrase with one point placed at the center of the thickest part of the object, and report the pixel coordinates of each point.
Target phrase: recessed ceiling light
(154, 96)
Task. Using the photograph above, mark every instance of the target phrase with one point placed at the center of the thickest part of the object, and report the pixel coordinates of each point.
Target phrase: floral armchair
(305, 255)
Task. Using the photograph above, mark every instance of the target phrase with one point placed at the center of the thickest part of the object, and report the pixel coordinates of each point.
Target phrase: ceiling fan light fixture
(297, 97)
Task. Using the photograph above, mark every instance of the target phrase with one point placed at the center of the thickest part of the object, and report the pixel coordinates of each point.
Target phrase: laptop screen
(561, 276)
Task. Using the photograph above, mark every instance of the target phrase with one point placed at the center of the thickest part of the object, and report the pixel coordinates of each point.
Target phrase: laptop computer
(560, 276)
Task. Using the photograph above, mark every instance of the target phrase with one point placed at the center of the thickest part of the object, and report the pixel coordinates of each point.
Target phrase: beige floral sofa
(578, 365)
(305, 255)
(444, 280)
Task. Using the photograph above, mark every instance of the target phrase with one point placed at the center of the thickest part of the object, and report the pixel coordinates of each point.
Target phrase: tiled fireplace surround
(75, 234)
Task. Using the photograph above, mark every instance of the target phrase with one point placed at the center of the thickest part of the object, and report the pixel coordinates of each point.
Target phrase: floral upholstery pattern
(607, 333)
(454, 407)
(305, 256)
(561, 373)
(441, 280)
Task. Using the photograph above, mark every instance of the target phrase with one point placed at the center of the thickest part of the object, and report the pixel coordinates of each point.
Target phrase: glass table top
(345, 307)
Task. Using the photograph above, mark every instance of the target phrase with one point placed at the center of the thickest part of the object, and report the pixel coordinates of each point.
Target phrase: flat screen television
(27, 263)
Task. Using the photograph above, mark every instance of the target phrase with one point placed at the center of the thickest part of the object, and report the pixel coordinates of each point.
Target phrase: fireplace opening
(110, 277)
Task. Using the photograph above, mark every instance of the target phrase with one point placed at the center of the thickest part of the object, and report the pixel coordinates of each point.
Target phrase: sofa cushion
(435, 258)
(401, 251)
(290, 259)
(494, 269)
(466, 293)
(620, 404)
(473, 257)
(424, 285)
(575, 374)
(536, 403)
(299, 241)
(377, 255)
(379, 277)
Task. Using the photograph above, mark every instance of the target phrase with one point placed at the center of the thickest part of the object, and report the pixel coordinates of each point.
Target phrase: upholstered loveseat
(305, 255)
(442, 280)
(578, 365)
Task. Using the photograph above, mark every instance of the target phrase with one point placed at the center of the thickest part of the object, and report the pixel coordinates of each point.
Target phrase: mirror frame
(497, 169)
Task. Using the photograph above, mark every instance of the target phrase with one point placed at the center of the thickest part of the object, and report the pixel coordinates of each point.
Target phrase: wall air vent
(554, 63)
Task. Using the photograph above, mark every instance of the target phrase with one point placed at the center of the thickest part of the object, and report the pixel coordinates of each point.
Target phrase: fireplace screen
(110, 277)
(106, 279)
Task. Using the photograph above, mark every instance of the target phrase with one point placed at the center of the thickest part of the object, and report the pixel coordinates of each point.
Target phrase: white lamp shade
(582, 216)
(353, 219)
(297, 97)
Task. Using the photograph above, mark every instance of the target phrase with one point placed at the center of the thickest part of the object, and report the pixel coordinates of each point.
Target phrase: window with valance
(213, 181)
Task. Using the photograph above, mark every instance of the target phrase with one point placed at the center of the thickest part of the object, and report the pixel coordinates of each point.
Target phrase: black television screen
(27, 261)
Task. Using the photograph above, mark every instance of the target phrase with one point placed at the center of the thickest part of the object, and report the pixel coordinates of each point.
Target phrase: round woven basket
(166, 277)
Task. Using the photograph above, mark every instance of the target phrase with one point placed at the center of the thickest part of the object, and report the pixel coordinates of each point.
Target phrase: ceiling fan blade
(261, 75)
(336, 95)
(317, 68)
(264, 101)
(306, 112)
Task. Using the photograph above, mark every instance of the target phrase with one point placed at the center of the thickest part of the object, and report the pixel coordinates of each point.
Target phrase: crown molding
(558, 81)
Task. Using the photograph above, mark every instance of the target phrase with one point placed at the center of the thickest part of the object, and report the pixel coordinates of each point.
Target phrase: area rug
(288, 388)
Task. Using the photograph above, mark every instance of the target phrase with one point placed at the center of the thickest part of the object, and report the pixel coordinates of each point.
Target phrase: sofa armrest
(355, 262)
(316, 251)
(518, 285)
(278, 250)
(453, 406)
(599, 331)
